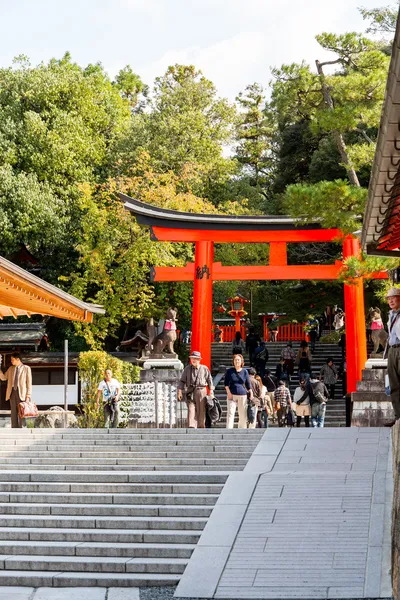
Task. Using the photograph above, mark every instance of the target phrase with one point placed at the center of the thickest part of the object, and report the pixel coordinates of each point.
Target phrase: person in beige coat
(19, 385)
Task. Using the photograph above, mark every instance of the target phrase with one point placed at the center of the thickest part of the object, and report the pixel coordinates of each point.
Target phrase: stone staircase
(336, 408)
(109, 507)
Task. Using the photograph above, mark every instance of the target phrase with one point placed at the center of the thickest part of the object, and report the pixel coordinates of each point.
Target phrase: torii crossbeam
(204, 230)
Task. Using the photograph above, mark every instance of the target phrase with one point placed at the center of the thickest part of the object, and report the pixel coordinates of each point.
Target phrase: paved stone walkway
(316, 523)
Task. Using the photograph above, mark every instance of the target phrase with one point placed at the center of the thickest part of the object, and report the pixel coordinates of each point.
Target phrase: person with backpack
(319, 396)
(238, 345)
(261, 357)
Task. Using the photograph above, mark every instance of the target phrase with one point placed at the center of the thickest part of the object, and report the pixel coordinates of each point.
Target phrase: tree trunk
(337, 135)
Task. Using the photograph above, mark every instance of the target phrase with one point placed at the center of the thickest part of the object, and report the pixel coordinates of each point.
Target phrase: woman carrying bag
(238, 388)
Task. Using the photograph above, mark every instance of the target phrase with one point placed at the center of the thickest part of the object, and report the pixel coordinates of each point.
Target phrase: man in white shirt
(111, 389)
(393, 299)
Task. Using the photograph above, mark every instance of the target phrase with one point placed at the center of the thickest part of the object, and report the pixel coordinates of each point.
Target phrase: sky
(234, 42)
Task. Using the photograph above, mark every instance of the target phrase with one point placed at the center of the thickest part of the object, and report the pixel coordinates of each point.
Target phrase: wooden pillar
(202, 300)
(356, 342)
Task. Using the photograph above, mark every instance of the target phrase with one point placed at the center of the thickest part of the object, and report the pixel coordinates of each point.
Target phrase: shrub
(91, 367)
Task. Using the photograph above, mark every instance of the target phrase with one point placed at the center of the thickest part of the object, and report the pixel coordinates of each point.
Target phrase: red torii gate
(278, 231)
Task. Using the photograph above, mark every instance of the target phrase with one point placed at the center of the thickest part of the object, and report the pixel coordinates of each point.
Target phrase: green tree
(382, 20)
(57, 122)
(186, 124)
(253, 137)
(132, 88)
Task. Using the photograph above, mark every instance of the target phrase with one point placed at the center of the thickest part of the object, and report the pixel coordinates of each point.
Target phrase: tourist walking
(393, 351)
(329, 376)
(273, 328)
(319, 396)
(301, 399)
(271, 383)
(238, 345)
(304, 367)
(313, 327)
(110, 389)
(237, 385)
(281, 371)
(252, 341)
(289, 356)
(261, 357)
(19, 386)
(304, 347)
(283, 402)
(192, 387)
(266, 410)
(256, 403)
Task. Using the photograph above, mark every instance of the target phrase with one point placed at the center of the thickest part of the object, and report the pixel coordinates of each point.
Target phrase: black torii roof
(147, 214)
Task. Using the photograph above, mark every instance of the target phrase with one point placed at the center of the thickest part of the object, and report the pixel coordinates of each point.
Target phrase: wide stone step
(94, 564)
(121, 456)
(128, 488)
(114, 499)
(97, 549)
(129, 468)
(108, 477)
(90, 522)
(128, 462)
(121, 450)
(120, 510)
(66, 579)
(159, 536)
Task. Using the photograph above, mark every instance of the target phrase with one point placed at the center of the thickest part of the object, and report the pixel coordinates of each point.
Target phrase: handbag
(251, 413)
(27, 409)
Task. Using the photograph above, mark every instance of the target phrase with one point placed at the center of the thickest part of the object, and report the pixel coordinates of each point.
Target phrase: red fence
(229, 331)
(293, 332)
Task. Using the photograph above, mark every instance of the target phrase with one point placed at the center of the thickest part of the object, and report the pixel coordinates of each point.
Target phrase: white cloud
(229, 63)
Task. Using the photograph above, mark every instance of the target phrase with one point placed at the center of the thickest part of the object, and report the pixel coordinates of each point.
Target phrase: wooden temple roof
(381, 227)
(22, 293)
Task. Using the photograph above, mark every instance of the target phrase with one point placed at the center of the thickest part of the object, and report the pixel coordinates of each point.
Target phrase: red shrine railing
(292, 332)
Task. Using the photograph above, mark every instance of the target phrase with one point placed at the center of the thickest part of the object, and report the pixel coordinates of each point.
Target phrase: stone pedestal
(163, 370)
(371, 406)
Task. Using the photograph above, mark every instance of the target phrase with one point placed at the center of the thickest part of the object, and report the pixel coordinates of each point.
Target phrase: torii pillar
(356, 342)
(202, 300)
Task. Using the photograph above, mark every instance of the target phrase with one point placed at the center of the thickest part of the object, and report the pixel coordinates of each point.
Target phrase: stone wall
(396, 512)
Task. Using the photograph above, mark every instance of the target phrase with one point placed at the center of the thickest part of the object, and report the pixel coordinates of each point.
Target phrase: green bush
(332, 338)
(91, 367)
